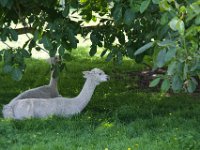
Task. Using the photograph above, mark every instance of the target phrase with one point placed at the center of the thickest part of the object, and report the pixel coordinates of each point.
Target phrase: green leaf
(179, 67)
(129, 17)
(180, 27)
(130, 52)
(61, 50)
(195, 65)
(154, 82)
(171, 53)
(197, 20)
(93, 37)
(144, 48)
(144, 5)
(177, 25)
(166, 43)
(121, 37)
(7, 69)
(16, 74)
(26, 43)
(164, 6)
(164, 19)
(161, 58)
(37, 36)
(195, 7)
(117, 13)
(7, 56)
(104, 52)
(66, 11)
(182, 9)
(135, 6)
(165, 85)
(173, 23)
(185, 71)
(14, 34)
(53, 51)
(172, 68)
(119, 57)
(192, 31)
(3, 37)
(25, 53)
(93, 50)
(31, 19)
(109, 57)
(177, 83)
(31, 44)
(47, 43)
(191, 86)
(74, 4)
(72, 38)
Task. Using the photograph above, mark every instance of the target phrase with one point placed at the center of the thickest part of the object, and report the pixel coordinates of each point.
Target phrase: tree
(166, 31)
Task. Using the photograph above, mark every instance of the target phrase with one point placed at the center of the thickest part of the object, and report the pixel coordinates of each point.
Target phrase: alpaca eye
(100, 73)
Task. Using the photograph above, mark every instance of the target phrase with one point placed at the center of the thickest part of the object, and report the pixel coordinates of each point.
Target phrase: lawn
(120, 116)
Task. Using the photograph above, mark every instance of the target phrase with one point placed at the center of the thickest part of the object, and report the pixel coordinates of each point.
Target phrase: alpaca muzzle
(107, 77)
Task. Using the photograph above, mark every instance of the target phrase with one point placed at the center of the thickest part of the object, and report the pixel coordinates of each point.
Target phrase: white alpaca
(59, 106)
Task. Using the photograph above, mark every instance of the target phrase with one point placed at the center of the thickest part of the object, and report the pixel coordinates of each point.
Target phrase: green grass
(120, 115)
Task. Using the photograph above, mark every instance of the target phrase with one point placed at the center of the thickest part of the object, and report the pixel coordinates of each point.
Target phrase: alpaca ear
(86, 72)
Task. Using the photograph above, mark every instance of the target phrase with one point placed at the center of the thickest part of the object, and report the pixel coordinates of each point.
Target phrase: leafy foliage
(178, 50)
(166, 30)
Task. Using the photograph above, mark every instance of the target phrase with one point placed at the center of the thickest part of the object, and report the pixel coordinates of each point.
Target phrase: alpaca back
(39, 92)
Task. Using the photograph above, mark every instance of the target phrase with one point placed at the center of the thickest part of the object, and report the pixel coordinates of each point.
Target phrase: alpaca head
(97, 75)
(55, 60)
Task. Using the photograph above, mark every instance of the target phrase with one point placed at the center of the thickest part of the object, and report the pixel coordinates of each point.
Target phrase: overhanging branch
(25, 30)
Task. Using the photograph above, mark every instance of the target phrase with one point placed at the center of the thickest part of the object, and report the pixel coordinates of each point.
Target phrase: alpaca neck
(53, 81)
(86, 93)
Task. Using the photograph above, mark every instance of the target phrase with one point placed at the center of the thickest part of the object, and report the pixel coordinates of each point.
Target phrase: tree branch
(6, 44)
(25, 30)
(38, 45)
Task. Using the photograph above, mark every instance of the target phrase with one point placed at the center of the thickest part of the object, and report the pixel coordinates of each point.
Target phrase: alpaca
(59, 106)
(45, 91)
